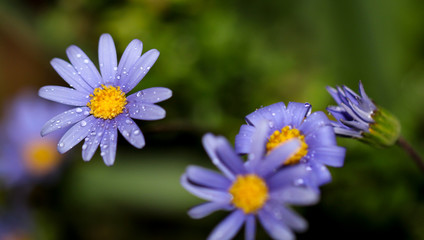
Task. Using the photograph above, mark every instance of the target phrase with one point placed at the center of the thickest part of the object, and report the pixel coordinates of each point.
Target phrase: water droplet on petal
(78, 110)
(83, 123)
(298, 181)
(136, 132)
(125, 133)
(84, 146)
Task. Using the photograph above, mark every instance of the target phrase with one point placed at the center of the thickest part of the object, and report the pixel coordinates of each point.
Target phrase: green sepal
(385, 131)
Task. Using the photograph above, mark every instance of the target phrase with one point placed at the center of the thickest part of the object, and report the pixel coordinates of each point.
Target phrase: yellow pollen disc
(107, 102)
(249, 193)
(41, 157)
(279, 137)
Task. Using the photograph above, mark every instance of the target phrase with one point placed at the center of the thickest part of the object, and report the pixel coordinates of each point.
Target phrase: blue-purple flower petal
(250, 227)
(64, 95)
(275, 228)
(140, 68)
(208, 194)
(84, 66)
(323, 136)
(93, 139)
(70, 75)
(108, 143)
(229, 158)
(207, 178)
(278, 156)
(207, 208)
(295, 195)
(145, 111)
(313, 122)
(329, 155)
(107, 58)
(228, 228)
(284, 214)
(129, 57)
(65, 119)
(211, 144)
(298, 111)
(243, 141)
(75, 134)
(320, 177)
(257, 150)
(287, 176)
(151, 95)
(131, 132)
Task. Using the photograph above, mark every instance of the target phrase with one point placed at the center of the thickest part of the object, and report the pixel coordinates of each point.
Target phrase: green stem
(401, 142)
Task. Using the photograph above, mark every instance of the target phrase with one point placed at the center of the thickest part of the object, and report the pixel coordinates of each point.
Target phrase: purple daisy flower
(25, 156)
(251, 189)
(318, 141)
(358, 117)
(353, 113)
(102, 104)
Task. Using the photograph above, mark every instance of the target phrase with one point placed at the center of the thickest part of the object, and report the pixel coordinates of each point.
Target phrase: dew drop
(115, 68)
(83, 123)
(139, 94)
(125, 133)
(78, 55)
(86, 113)
(136, 132)
(298, 181)
(78, 110)
(128, 121)
(85, 60)
(61, 145)
(84, 146)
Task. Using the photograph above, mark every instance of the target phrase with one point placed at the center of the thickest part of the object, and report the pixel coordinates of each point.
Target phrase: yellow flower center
(107, 102)
(286, 133)
(249, 192)
(41, 157)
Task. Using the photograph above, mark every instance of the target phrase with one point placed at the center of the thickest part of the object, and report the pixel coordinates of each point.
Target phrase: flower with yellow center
(41, 157)
(249, 193)
(280, 137)
(256, 190)
(102, 105)
(107, 102)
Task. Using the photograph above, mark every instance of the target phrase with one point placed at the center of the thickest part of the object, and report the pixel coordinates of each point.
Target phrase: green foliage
(224, 59)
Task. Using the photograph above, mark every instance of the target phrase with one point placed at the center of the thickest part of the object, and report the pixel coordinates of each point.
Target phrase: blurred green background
(224, 59)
